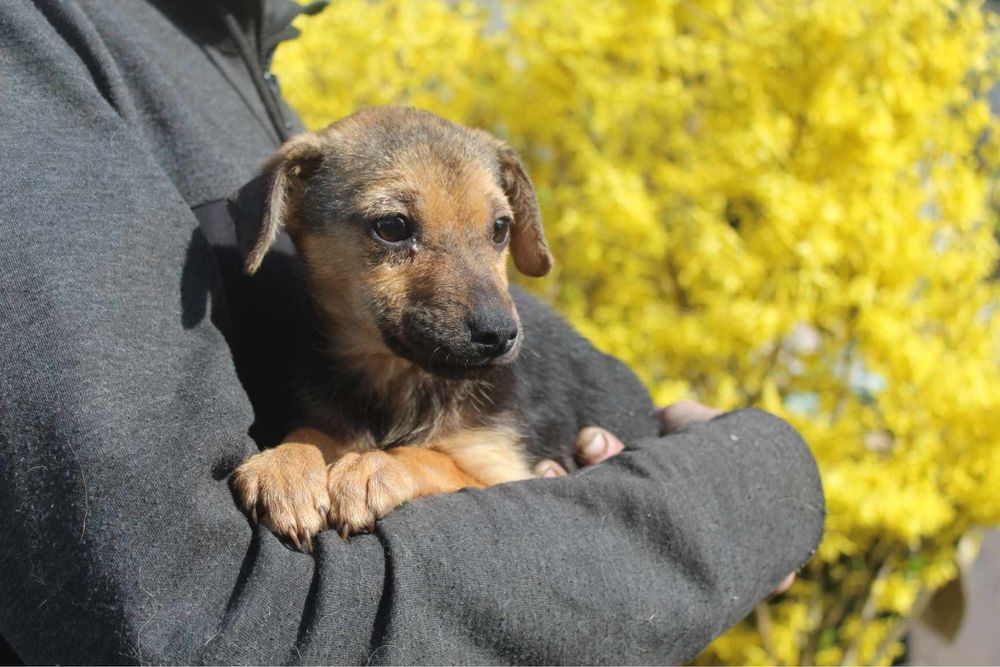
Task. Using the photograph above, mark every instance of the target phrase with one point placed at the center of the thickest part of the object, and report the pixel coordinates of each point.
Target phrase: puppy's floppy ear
(294, 162)
(527, 240)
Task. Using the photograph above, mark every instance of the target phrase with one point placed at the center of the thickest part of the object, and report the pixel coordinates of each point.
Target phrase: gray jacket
(123, 127)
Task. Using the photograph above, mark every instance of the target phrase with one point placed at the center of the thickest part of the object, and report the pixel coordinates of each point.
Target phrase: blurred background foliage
(754, 202)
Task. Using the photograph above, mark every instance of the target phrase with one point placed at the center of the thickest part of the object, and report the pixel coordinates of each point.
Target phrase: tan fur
(365, 487)
(336, 276)
(285, 487)
(491, 455)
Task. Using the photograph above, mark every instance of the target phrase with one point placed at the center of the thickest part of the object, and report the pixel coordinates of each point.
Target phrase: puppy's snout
(493, 332)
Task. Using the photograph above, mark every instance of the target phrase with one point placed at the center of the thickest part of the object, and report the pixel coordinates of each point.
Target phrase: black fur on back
(562, 383)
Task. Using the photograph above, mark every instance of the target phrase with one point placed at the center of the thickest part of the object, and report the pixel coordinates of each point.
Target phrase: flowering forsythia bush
(767, 202)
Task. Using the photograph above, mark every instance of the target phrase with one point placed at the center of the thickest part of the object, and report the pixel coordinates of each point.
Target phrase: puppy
(427, 372)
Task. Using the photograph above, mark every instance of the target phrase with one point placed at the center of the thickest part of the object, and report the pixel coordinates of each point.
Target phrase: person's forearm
(642, 559)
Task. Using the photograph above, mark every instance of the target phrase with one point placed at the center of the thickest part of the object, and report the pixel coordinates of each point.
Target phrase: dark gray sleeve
(643, 559)
(120, 410)
(120, 417)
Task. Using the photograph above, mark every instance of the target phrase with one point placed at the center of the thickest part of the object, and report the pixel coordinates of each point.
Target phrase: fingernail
(596, 447)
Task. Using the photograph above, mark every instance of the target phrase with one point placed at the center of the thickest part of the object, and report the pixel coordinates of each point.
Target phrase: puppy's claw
(345, 534)
(253, 516)
(293, 536)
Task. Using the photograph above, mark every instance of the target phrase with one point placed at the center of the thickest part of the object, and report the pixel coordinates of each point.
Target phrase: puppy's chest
(468, 421)
(411, 411)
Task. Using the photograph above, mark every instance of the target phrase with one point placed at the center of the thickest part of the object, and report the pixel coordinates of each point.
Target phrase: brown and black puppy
(429, 373)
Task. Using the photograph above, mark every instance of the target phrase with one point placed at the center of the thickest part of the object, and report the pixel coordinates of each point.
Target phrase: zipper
(274, 86)
(266, 83)
(258, 62)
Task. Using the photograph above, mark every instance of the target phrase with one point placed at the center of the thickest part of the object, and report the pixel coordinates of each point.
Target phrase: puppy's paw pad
(285, 489)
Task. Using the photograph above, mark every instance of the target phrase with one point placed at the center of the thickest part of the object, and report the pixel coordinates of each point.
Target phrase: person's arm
(642, 559)
(121, 416)
(596, 445)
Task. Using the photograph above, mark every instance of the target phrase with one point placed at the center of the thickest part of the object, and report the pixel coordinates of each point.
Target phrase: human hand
(595, 445)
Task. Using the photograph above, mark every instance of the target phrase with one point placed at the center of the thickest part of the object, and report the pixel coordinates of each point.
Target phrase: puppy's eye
(393, 229)
(501, 229)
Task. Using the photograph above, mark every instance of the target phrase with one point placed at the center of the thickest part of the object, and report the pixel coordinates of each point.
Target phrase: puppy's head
(403, 221)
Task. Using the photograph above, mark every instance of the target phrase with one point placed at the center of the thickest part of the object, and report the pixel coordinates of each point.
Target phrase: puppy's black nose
(493, 332)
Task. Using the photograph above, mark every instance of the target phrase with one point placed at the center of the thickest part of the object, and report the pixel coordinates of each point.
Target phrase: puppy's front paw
(365, 487)
(285, 488)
